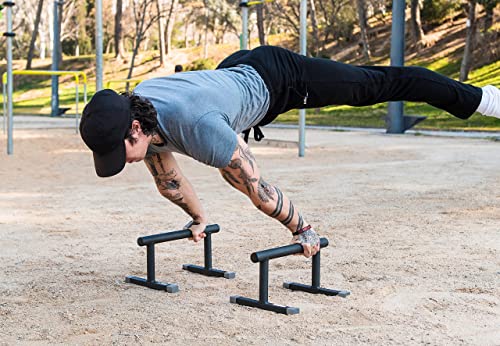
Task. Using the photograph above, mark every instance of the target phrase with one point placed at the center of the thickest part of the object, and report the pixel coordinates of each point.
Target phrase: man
(201, 113)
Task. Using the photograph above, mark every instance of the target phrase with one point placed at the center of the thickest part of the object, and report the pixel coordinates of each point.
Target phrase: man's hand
(309, 241)
(197, 228)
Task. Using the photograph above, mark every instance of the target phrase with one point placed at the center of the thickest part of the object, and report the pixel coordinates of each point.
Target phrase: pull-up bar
(8, 100)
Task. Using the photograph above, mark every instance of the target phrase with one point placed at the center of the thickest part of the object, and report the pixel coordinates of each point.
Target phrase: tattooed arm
(244, 175)
(174, 186)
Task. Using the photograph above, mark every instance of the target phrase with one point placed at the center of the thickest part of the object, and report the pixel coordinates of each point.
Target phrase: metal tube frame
(263, 258)
(54, 100)
(244, 24)
(75, 74)
(396, 109)
(9, 34)
(98, 46)
(150, 242)
(303, 51)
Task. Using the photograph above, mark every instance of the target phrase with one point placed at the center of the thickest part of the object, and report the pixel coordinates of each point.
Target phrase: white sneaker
(490, 102)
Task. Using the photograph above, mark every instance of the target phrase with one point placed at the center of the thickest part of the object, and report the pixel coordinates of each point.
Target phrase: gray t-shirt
(200, 113)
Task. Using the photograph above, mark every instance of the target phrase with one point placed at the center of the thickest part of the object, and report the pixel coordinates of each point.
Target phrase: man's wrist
(199, 219)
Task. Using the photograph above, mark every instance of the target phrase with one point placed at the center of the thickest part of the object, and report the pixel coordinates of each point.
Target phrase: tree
(119, 49)
(489, 7)
(169, 26)
(34, 34)
(161, 32)
(363, 25)
(314, 25)
(469, 42)
(416, 31)
(260, 24)
(144, 18)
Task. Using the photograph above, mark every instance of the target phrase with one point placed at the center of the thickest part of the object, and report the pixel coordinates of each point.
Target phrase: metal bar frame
(263, 257)
(151, 240)
(75, 74)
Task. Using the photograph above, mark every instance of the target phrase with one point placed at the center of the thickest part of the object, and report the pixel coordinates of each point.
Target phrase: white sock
(490, 102)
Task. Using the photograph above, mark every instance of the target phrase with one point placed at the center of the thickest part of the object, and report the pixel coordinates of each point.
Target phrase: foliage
(435, 12)
(201, 64)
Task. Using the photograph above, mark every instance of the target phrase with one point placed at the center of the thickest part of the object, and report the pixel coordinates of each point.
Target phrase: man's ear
(136, 127)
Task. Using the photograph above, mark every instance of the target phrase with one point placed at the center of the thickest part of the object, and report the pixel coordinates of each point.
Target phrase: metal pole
(54, 101)
(316, 270)
(303, 51)
(98, 45)
(244, 24)
(150, 262)
(395, 110)
(4, 94)
(207, 247)
(10, 86)
(264, 281)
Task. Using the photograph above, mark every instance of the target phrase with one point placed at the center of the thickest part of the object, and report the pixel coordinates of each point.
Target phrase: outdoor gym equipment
(150, 241)
(263, 258)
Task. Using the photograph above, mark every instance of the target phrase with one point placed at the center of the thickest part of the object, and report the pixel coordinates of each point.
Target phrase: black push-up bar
(150, 241)
(263, 258)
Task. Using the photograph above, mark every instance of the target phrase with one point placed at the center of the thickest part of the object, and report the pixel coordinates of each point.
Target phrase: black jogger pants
(295, 81)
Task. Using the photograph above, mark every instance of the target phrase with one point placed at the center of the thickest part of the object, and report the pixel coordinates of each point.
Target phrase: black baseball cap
(105, 123)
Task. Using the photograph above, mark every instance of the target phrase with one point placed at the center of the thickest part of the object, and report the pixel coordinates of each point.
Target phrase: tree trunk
(416, 31)
(205, 42)
(134, 54)
(260, 24)
(469, 42)
(314, 24)
(119, 51)
(161, 32)
(363, 28)
(34, 34)
(489, 8)
(186, 30)
(169, 27)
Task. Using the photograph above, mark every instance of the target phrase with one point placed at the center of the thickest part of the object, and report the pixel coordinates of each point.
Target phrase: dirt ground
(413, 224)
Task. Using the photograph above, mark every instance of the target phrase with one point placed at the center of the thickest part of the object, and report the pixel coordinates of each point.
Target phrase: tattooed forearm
(243, 173)
(291, 212)
(300, 224)
(246, 179)
(165, 183)
(265, 191)
(279, 203)
(173, 185)
(230, 178)
(165, 180)
(179, 200)
(247, 155)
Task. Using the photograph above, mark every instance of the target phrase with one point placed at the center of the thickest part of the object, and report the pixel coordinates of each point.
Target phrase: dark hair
(178, 68)
(142, 110)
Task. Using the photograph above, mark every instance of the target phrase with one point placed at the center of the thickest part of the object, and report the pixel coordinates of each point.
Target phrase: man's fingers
(307, 250)
(197, 237)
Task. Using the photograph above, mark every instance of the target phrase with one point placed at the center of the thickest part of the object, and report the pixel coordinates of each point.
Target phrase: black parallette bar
(9, 34)
(208, 272)
(156, 285)
(9, 3)
(282, 251)
(294, 286)
(175, 235)
(280, 309)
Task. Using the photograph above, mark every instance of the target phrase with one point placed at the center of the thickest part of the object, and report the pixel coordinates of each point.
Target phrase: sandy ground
(413, 224)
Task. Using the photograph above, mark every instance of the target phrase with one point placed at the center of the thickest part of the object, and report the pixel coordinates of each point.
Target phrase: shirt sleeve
(213, 141)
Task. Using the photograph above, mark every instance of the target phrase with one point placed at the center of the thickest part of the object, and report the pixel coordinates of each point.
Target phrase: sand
(413, 224)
